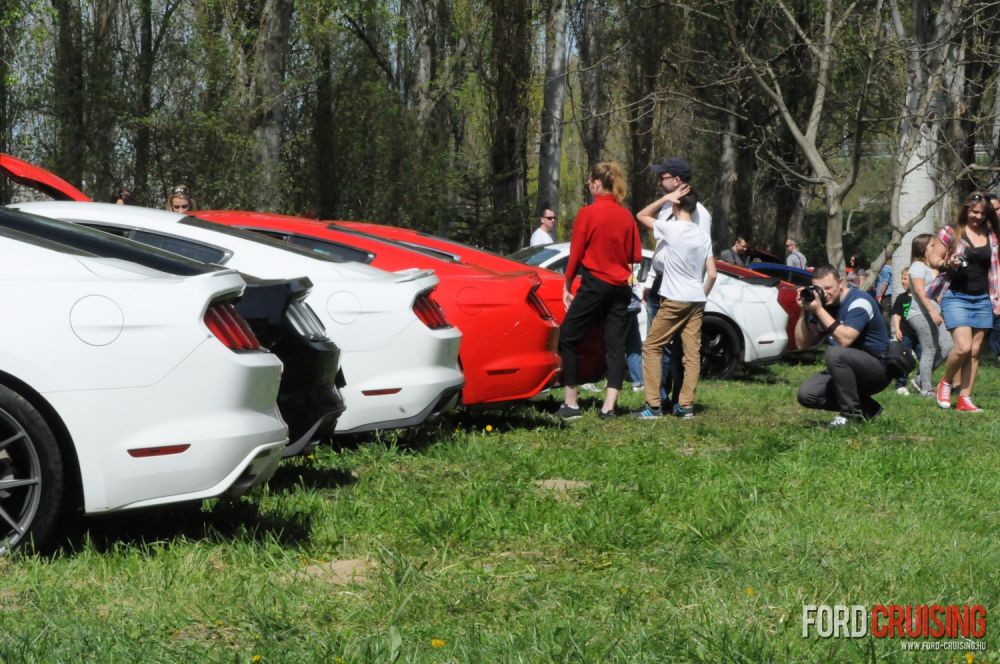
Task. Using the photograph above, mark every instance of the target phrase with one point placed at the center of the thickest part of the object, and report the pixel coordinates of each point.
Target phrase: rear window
(535, 255)
(341, 252)
(80, 240)
(410, 246)
(259, 238)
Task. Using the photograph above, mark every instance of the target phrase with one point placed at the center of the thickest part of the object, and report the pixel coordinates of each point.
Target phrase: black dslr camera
(810, 293)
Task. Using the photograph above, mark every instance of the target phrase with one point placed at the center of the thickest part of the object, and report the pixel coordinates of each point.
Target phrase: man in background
(795, 257)
(737, 254)
(545, 233)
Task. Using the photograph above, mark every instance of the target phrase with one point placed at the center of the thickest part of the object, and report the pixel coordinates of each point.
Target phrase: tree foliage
(431, 113)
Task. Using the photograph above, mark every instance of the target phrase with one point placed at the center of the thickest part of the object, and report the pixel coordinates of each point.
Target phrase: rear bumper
(445, 401)
(515, 367)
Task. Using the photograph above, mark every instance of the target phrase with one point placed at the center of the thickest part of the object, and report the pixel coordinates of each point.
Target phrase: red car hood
(40, 179)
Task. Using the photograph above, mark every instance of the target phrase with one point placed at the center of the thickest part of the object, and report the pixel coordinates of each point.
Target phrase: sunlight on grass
(511, 537)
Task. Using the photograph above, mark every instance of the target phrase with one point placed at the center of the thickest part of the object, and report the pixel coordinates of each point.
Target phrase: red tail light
(537, 304)
(430, 312)
(230, 328)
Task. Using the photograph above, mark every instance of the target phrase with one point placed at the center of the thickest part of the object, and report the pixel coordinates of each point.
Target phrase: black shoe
(871, 410)
(607, 415)
(568, 413)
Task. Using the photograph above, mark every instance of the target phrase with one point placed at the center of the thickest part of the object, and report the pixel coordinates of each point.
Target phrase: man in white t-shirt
(546, 226)
(688, 277)
(673, 175)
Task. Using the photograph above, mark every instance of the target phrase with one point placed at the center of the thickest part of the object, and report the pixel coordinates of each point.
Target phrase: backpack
(899, 360)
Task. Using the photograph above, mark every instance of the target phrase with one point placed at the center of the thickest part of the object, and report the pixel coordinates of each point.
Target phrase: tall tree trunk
(426, 19)
(649, 28)
(69, 93)
(144, 105)
(592, 42)
(267, 81)
(510, 55)
(327, 189)
(554, 93)
(102, 100)
(725, 188)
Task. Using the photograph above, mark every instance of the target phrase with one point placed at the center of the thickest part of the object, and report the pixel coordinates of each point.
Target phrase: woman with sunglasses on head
(604, 245)
(968, 291)
(180, 200)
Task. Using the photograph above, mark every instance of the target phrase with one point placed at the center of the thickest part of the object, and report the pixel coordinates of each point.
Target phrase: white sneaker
(902, 391)
(590, 387)
(838, 422)
(638, 387)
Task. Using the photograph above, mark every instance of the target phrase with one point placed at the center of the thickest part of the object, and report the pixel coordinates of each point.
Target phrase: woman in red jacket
(604, 245)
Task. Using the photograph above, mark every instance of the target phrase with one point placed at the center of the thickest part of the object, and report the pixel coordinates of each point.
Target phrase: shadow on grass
(225, 523)
(293, 477)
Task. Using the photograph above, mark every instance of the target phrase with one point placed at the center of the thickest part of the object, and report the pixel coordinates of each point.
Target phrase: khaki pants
(673, 318)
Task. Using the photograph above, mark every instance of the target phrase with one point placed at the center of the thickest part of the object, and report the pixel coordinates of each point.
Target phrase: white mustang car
(122, 386)
(743, 321)
(398, 352)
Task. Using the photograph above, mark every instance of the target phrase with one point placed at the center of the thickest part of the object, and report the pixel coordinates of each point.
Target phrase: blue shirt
(884, 277)
(859, 310)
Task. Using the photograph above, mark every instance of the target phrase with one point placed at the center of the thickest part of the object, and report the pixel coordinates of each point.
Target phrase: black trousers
(595, 300)
(852, 376)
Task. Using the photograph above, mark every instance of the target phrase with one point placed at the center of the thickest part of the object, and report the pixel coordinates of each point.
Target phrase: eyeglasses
(181, 207)
(666, 176)
(552, 218)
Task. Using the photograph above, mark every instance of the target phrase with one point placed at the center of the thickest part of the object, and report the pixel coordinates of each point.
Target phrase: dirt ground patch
(339, 572)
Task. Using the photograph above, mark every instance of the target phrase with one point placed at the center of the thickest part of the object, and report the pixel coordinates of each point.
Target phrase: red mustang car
(509, 337)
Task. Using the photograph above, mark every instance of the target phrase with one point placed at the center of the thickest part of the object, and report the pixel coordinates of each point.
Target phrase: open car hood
(40, 179)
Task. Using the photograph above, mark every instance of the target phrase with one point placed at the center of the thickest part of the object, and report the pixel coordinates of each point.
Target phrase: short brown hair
(825, 270)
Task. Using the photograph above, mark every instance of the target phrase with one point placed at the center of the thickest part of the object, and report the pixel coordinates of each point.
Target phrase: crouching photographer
(849, 320)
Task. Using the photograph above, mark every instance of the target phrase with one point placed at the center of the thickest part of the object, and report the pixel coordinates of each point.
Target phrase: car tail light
(230, 328)
(305, 321)
(430, 312)
(537, 304)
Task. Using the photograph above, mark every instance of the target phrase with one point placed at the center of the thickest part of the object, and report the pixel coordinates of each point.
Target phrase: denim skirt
(962, 310)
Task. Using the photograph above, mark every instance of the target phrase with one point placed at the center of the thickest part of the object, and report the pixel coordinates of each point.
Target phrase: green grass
(683, 541)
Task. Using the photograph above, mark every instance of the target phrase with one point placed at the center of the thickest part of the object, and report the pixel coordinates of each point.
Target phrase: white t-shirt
(540, 237)
(685, 250)
(701, 218)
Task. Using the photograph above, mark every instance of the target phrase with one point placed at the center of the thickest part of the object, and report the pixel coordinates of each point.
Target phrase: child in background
(901, 329)
(925, 315)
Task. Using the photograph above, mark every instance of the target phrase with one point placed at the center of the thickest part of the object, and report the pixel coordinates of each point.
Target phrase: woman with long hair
(604, 246)
(969, 293)
(925, 314)
(180, 200)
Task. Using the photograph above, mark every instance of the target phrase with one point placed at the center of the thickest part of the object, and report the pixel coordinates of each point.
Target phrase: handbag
(899, 360)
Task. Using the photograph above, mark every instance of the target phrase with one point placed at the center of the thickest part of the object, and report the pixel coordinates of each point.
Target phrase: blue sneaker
(681, 411)
(648, 413)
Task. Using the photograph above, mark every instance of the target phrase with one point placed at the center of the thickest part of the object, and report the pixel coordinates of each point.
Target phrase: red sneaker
(944, 395)
(965, 405)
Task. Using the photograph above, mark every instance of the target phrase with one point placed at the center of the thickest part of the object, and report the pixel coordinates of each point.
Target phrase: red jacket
(605, 241)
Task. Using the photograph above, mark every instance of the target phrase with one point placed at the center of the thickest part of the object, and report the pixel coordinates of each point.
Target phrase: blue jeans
(673, 372)
(995, 336)
(633, 351)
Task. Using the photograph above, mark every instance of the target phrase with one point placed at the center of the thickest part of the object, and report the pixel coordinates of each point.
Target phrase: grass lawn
(514, 538)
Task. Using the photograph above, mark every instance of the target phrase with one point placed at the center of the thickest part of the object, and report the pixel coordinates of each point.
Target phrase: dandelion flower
(489, 427)
(438, 643)
(256, 658)
(969, 658)
(749, 591)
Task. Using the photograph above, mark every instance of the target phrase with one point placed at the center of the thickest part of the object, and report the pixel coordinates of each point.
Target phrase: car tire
(720, 348)
(31, 475)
